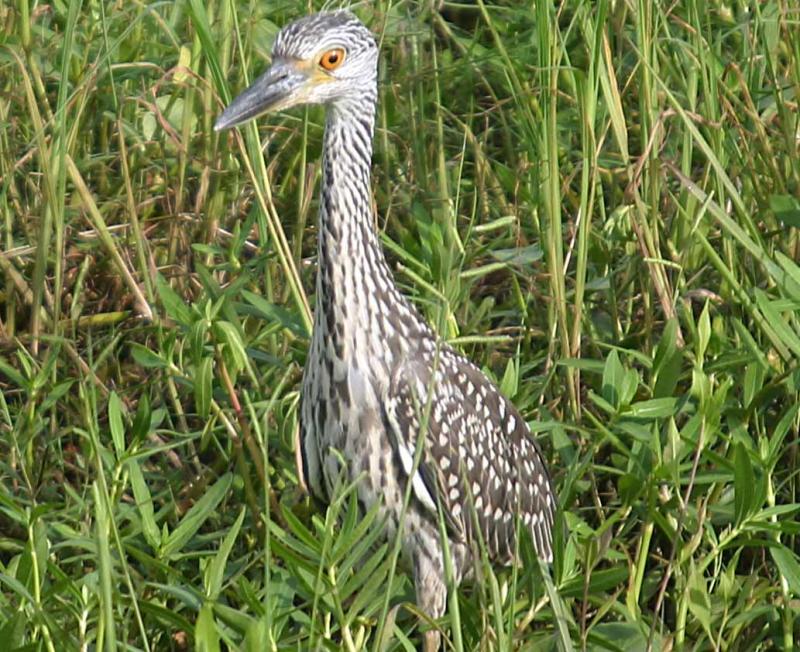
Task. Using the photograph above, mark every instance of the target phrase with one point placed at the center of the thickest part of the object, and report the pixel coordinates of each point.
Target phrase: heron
(384, 400)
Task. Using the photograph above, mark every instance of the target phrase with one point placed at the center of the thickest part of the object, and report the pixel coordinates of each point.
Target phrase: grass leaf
(196, 517)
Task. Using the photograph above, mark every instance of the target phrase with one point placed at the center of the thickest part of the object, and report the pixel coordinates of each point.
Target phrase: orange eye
(332, 59)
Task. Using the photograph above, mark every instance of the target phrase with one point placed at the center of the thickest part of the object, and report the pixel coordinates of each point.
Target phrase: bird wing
(405, 414)
(478, 459)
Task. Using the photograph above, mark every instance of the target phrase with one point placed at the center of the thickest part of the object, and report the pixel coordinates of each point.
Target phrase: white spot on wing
(512, 423)
(420, 490)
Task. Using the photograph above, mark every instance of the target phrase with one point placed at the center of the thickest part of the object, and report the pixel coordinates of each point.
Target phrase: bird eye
(332, 59)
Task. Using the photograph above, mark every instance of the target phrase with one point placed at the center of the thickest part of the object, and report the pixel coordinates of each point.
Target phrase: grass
(597, 202)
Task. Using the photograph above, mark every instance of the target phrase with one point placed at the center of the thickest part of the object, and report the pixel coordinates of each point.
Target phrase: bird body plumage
(377, 377)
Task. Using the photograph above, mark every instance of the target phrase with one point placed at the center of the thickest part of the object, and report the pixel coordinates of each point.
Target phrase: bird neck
(345, 214)
(353, 274)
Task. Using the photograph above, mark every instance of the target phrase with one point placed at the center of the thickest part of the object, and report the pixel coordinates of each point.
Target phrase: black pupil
(333, 57)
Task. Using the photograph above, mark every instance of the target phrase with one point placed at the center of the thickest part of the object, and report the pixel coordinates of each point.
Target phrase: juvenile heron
(377, 377)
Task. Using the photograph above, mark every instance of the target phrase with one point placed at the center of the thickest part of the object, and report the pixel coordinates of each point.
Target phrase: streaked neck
(352, 266)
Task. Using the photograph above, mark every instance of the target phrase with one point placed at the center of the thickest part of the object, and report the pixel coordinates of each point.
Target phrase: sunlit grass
(596, 202)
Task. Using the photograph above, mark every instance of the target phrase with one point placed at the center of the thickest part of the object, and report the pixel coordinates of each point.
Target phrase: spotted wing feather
(404, 414)
(479, 459)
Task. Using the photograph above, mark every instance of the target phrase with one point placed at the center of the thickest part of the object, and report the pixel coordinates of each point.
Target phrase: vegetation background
(598, 203)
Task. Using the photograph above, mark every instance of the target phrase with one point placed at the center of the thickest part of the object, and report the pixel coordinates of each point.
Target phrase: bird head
(324, 58)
